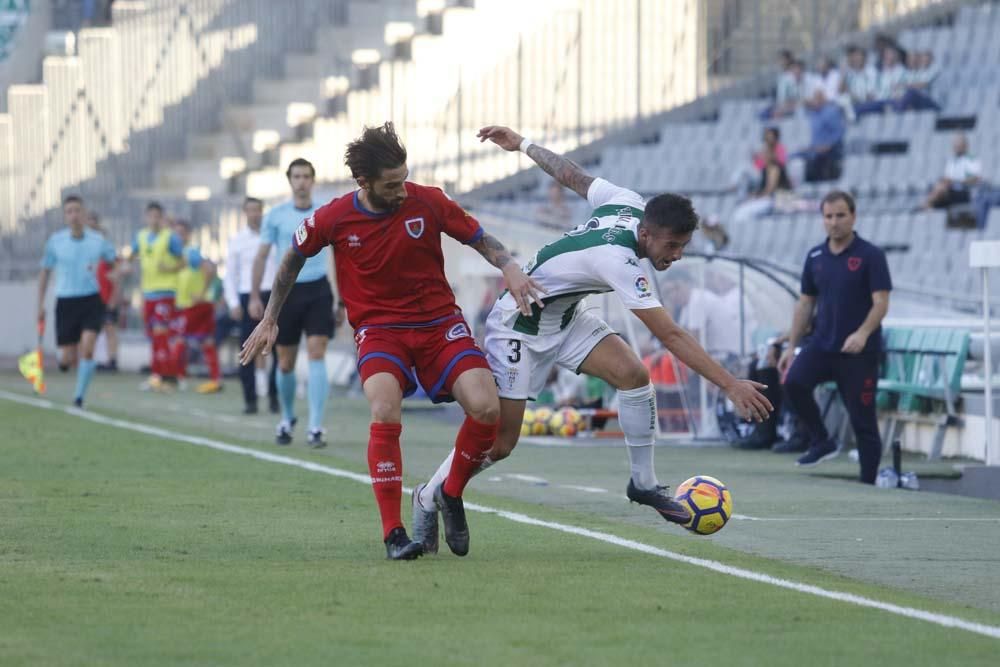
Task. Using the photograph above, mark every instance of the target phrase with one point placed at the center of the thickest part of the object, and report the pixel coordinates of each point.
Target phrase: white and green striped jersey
(596, 257)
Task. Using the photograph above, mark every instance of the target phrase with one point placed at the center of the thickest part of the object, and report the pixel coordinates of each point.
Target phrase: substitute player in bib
(386, 238)
(309, 309)
(74, 255)
(159, 253)
(601, 255)
(195, 319)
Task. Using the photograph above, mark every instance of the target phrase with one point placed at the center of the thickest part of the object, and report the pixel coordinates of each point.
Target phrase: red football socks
(178, 357)
(385, 465)
(160, 363)
(211, 354)
(473, 441)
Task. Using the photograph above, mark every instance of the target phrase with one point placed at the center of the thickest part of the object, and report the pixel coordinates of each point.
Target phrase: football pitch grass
(121, 547)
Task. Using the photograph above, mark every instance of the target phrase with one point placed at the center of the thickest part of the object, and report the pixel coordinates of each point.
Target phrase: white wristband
(525, 143)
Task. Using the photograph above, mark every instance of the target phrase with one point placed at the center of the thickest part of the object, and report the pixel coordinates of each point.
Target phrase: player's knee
(385, 412)
(485, 412)
(501, 449)
(634, 377)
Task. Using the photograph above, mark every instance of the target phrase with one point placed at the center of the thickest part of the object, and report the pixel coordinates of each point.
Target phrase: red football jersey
(390, 267)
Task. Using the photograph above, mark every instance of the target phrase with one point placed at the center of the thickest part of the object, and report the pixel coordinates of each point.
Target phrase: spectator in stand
(961, 174)
(555, 212)
(825, 152)
(890, 84)
(772, 178)
(882, 42)
(920, 74)
(858, 83)
(793, 85)
(827, 78)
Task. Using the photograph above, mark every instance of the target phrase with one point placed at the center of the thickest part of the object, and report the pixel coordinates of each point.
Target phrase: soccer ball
(710, 503)
(540, 424)
(565, 422)
(527, 421)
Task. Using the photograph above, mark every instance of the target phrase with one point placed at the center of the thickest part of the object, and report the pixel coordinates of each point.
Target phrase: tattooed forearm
(284, 280)
(494, 251)
(562, 169)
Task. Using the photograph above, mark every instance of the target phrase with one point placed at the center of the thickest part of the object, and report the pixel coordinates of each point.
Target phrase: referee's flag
(30, 366)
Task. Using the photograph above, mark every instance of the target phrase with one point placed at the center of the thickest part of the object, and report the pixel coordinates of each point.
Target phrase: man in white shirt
(961, 174)
(243, 247)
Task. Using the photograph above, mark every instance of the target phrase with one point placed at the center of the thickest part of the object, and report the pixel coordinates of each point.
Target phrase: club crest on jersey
(853, 263)
(642, 287)
(414, 227)
(458, 331)
(301, 234)
(353, 241)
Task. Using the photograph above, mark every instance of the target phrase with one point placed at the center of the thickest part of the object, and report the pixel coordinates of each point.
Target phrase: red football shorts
(198, 321)
(434, 355)
(157, 314)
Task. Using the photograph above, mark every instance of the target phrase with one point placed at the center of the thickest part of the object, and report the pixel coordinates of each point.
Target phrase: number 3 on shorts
(515, 351)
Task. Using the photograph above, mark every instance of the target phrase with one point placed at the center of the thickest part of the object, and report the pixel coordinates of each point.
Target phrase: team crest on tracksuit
(414, 227)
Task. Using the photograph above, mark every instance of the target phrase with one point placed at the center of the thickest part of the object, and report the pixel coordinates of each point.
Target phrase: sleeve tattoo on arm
(284, 280)
(493, 251)
(562, 169)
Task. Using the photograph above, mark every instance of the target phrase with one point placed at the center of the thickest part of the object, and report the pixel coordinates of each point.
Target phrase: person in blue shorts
(74, 254)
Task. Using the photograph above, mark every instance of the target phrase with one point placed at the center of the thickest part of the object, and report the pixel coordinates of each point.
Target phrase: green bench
(920, 380)
(922, 370)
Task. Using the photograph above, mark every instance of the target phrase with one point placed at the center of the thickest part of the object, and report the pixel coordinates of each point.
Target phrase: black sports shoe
(78, 402)
(796, 443)
(316, 440)
(456, 530)
(283, 433)
(661, 501)
(250, 409)
(399, 547)
(823, 451)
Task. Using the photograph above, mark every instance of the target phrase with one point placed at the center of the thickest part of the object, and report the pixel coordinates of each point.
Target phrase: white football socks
(426, 496)
(637, 416)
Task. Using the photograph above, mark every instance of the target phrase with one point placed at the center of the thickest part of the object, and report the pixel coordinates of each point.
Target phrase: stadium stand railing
(100, 121)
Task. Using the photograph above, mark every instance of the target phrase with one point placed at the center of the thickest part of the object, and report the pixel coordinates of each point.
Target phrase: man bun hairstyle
(376, 149)
(671, 212)
(838, 195)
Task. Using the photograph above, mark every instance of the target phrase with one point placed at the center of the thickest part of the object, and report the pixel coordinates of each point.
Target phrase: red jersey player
(386, 239)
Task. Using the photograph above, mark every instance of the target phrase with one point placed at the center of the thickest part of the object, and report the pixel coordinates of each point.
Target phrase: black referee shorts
(74, 315)
(309, 310)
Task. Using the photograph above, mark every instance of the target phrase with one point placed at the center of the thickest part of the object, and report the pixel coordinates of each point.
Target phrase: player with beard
(386, 239)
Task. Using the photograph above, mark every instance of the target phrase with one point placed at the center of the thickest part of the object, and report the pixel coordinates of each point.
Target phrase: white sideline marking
(585, 489)
(850, 519)
(530, 479)
(738, 572)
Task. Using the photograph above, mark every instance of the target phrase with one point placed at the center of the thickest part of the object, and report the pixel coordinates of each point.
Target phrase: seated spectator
(827, 78)
(985, 198)
(555, 212)
(857, 86)
(792, 87)
(825, 152)
(890, 84)
(961, 174)
(920, 74)
(772, 181)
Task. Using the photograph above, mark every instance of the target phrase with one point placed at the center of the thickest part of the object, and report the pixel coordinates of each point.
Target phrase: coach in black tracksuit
(846, 279)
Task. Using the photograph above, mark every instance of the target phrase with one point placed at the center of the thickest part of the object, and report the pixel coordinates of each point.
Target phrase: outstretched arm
(745, 394)
(564, 170)
(522, 287)
(266, 332)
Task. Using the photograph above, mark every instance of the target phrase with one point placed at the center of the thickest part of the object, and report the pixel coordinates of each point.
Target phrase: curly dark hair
(378, 148)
